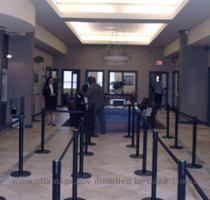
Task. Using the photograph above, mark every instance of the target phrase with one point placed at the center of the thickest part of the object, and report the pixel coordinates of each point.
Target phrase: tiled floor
(111, 167)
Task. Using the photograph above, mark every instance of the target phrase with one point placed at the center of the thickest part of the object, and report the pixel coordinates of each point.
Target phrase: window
(67, 80)
(99, 75)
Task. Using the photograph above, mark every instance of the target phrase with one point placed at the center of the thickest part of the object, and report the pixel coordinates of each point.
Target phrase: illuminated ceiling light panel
(118, 9)
(109, 33)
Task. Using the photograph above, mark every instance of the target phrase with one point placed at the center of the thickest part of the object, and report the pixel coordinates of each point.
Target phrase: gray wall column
(20, 72)
(193, 78)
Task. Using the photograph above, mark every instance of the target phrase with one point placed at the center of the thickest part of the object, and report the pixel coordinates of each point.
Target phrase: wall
(90, 57)
(20, 72)
(39, 73)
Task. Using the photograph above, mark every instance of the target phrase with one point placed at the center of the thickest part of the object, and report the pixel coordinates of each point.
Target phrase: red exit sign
(159, 62)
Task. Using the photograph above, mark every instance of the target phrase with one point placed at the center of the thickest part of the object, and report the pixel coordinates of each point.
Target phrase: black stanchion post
(132, 145)
(21, 172)
(129, 122)
(42, 150)
(144, 171)
(94, 120)
(81, 173)
(87, 131)
(193, 164)
(22, 102)
(181, 193)
(175, 146)
(91, 125)
(154, 167)
(137, 155)
(56, 184)
(168, 123)
(75, 167)
(2, 198)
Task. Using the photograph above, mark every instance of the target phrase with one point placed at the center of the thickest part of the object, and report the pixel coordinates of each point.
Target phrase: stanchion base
(143, 173)
(148, 198)
(127, 136)
(2, 198)
(88, 153)
(91, 144)
(39, 151)
(84, 175)
(195, 166)
(71, 198)
(130, 146)
(176, 147)
(20, 174)
(136, 156)
(168, 137)
(94, 135)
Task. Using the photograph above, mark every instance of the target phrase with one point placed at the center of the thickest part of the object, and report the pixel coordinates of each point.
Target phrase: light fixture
(115, 54)
(9, 56)
(118, 9)
(128, 33)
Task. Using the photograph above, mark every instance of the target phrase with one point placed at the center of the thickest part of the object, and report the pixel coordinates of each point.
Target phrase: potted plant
(118, 86)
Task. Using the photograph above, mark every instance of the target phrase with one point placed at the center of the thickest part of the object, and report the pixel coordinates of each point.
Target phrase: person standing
(95, 97)
(158, 93)
(50, 94)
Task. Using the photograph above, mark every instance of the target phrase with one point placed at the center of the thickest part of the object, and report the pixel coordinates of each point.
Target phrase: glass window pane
(67, 85)
(67, 76)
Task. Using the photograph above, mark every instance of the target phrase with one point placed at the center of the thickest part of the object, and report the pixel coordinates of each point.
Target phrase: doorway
(70, 84)
(154, 79)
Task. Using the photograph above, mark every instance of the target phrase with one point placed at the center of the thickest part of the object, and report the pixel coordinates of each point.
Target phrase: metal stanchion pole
(87, 153)
(132, 145)
(21, 172)
(94, 120)
(137, 155)
(81, 173)
(91, 124)
(56, 185)
(168, 123)
(193, 164)
(154, 167)
(42, 150)
(75, 167)
(176, 146)
(181, 193)
(144, 171)
(129, 122)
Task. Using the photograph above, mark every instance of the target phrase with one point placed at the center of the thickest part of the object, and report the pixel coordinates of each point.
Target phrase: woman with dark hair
(50, 94)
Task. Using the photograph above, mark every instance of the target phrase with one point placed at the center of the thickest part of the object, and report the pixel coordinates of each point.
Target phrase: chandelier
(115, 54)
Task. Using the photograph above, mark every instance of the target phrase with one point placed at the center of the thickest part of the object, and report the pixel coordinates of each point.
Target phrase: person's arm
(88, 92)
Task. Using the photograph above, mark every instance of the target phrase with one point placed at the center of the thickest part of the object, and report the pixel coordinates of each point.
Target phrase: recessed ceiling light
(124, 33)
(118, 9)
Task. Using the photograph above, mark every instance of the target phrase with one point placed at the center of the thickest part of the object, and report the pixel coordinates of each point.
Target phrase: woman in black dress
(50, 94)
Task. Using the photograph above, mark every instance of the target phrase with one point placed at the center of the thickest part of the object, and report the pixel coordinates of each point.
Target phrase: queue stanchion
(42, 150)
(94, 119)
(181, 193)
(87, 131)
(168, 123)
(21, 172)
(137, 155)
(154, 167)
(22, 103)
(75, 167)
(193, 164)
(81, 173)
(2, 198)
(56, 185)
(176, 146)
(144, 171)
(129, 122)
(91, 125)
(132, 145)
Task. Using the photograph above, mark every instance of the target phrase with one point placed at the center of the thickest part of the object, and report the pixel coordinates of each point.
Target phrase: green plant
(116, 85)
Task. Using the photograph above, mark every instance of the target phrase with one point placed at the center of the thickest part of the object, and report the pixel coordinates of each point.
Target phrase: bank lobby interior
(134, 42)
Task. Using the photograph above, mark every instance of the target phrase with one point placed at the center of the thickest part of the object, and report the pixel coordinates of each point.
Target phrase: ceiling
(193, 13)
